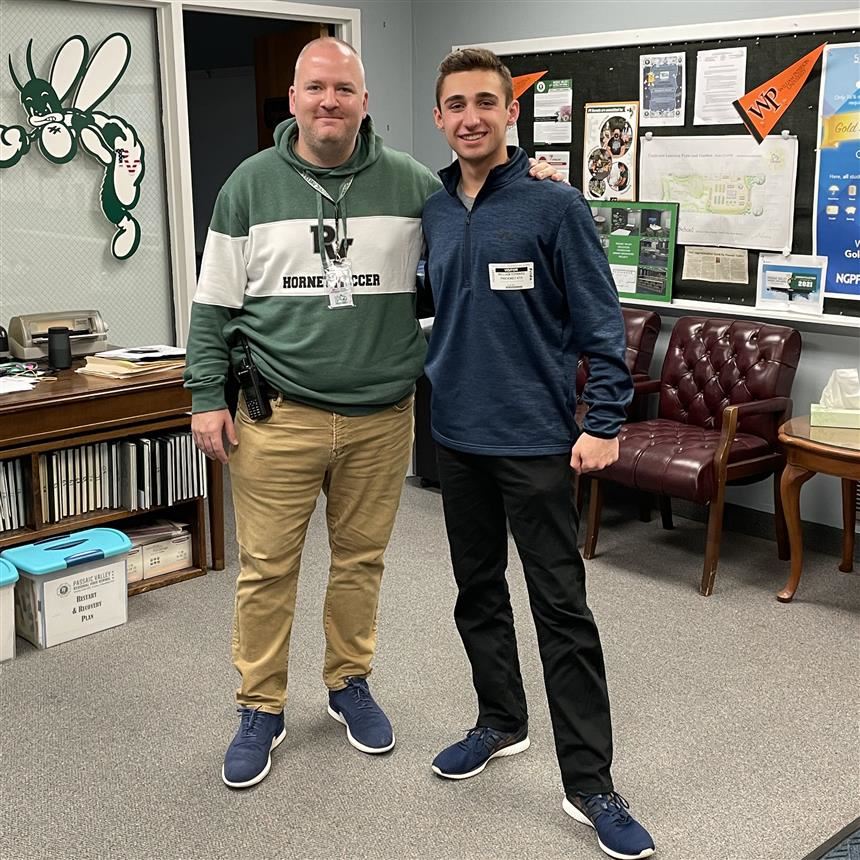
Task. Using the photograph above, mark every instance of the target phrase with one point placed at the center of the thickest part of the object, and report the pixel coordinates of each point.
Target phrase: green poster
(639, 241)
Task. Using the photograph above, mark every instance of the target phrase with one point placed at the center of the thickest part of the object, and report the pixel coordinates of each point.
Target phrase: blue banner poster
(836, 229)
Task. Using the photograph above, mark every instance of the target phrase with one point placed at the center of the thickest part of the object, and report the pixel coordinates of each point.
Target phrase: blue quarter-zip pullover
(503, 362)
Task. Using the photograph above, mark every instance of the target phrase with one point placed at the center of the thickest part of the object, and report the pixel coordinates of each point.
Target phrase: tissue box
(832, 416)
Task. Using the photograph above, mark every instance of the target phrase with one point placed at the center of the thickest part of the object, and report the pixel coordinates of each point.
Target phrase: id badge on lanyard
(338, 284)
(337, 272)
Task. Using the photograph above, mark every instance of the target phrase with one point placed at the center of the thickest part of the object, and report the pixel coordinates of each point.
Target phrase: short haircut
(322, 39)
(469, 59)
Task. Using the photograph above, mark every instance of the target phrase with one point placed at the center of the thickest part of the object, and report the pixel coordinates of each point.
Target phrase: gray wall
(386, 48)
(439, 24)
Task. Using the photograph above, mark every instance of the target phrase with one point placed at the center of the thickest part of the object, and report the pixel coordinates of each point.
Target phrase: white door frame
(174, 98)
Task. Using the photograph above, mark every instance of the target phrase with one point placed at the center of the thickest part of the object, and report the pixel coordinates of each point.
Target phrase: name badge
(512, 276)
(338, 285)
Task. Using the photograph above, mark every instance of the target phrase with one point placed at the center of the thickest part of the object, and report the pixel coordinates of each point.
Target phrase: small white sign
(512, 276)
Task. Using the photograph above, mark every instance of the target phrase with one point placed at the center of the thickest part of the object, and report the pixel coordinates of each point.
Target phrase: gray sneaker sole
(276, 742)
(359, 746)
(513, 749)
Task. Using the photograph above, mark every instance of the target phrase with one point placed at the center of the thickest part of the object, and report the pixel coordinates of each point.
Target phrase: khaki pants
(277, 473)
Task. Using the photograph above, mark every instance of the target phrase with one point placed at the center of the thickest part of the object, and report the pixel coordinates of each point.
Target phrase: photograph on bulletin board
(639, 242)
(609, 151)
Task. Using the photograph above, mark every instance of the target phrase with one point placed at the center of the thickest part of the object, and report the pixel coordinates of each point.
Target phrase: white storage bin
(70, 585)
(8, 578)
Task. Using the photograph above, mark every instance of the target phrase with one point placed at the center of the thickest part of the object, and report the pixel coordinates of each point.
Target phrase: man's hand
(544, 170)
(591, 453)
(210, 430)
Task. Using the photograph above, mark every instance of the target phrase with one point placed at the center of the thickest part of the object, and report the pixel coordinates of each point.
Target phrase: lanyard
(341, 246)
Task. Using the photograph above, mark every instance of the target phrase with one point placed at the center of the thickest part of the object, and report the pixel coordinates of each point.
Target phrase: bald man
(307, 287)
(310, 261)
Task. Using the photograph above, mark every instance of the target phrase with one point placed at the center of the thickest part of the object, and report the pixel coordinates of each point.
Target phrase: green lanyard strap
(341, 246)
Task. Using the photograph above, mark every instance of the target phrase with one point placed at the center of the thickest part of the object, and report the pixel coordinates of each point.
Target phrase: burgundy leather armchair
(641, 328)
(724, 391)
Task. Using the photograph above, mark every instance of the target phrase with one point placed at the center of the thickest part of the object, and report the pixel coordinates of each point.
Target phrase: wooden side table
(830, 451)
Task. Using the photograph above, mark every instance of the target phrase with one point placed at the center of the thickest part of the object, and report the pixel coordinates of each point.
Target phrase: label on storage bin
(85, 602)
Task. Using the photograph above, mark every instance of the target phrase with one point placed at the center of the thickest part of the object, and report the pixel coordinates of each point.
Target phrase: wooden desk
(78, 410)
(808, 450)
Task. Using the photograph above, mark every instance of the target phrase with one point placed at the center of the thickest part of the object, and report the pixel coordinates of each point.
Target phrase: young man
(522, 288)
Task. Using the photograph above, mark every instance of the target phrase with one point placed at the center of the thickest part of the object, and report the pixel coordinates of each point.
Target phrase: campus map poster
(836, 229)
(609, 154)
(733, 191)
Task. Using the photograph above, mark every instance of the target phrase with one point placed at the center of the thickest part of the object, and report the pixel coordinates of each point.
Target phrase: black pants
(536, 495)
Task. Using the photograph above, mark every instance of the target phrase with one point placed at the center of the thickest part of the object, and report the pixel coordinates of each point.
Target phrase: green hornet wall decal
(57, 129)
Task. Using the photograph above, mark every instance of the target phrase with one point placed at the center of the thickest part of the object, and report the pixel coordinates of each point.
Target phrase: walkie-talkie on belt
(252, 385)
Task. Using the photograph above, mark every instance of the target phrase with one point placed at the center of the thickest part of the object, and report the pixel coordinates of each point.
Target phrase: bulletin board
(605, 68)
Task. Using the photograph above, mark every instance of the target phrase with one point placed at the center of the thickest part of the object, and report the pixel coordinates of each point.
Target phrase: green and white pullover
(261, 275)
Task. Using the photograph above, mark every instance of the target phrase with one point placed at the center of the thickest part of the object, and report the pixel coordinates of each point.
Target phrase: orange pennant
(762, 107)
(523, 82)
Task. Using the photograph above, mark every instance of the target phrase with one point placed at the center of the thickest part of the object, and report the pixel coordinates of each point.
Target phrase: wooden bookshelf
(78, 410)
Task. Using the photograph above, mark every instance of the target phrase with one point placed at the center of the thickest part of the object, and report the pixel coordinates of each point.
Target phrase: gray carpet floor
(735, 717)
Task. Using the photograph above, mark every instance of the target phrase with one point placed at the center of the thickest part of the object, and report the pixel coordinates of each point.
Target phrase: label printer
(28, 333)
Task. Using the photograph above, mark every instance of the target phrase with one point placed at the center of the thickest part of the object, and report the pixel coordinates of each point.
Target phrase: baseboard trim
(747, 521)
(736, 518)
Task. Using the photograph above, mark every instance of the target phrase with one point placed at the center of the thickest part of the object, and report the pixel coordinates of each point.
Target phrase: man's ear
(293, 101)
(437, 118)
(513, 112)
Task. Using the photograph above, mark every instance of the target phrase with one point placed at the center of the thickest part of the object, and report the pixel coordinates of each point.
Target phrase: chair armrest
(642, 384)
(733, 414)
(759, 407)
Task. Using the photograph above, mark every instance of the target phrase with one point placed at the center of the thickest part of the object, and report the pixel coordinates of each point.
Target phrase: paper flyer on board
(716, 265)
(609, 153)
(639, 242)
(720, 80)
(836, 227)
(662, 83)
(733, 191)
(552, 109)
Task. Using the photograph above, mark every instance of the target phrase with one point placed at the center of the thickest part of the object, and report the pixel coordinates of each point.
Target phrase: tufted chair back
(641, 328)
(714, 363)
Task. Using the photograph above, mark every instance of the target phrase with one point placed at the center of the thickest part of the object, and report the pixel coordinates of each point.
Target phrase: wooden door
(275, 57)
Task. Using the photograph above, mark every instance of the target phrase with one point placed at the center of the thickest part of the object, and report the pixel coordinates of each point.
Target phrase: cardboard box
(134, 564)
(166, 556)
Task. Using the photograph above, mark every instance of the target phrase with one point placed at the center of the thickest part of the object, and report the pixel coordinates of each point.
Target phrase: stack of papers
(133, 362)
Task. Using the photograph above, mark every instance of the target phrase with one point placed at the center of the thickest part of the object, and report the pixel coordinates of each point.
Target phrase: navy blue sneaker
(249, 756)
(469, 756)
(367, 727)
(619, 834)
